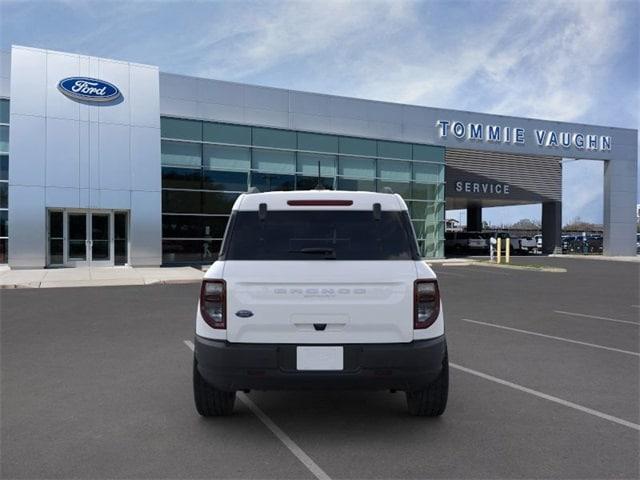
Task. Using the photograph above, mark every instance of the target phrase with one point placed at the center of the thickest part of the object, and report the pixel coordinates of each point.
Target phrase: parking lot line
(596, 317)
(279, 433)
(551, 398)
(440, 272)
(553, 337)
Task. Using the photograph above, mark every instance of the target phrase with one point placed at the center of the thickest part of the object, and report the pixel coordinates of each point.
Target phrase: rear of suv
(320, 290)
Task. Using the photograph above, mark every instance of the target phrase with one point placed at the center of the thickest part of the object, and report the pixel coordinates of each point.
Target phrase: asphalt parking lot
(96, 383)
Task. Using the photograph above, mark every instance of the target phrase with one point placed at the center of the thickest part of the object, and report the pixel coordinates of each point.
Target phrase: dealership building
(107, 162)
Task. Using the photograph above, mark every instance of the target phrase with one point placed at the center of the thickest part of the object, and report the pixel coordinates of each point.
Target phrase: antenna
(319, 185)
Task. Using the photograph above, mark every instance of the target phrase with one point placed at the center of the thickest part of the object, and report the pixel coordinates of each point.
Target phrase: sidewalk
(97, 277)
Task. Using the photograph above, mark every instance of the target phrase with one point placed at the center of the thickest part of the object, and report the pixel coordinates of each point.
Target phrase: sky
(558, 60)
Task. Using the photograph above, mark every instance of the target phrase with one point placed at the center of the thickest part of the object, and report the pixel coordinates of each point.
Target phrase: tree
(525, 224)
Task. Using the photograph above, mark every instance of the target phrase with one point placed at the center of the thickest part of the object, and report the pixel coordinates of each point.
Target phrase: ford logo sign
(244, 313)
(89, 89)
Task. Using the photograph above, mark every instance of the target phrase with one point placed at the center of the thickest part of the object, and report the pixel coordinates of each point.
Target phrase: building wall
(71, 154)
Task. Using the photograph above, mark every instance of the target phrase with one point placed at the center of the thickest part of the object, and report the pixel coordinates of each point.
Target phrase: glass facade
(206, 165)
(4, 180)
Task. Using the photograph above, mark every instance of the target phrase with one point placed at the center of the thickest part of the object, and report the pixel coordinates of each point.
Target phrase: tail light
(213, 303)
(426, 303)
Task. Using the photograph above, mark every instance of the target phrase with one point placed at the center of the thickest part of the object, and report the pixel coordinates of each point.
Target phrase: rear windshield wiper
(330, 252)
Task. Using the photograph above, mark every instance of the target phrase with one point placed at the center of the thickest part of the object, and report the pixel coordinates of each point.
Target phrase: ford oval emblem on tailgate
(244, 313)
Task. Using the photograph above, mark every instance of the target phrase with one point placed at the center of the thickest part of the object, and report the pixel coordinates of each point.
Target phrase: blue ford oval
(89, 89)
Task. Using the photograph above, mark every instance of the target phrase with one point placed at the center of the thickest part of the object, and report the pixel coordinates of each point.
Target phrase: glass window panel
(4, 223)
(214, 226)
(178, 128)
(357, 167)
(428, 153)
(175, 201)
(216, 202)
(227, 181)
(428, 172)
(120, 250)
(271, 137)
(4, 111)
(394, 150)
(4, 167)
(120, 226)
(274, 161)
(182, 178)
(432, 212)
(310, 183)
(403, 188)
(181, 226)
(419, 227)
(227, 158)
(120, 243)
(4, 139)
(4, 251)
(394, 170)
(317, 143)
(358, 146)
(55, 225)
(267, 182)
(180, 153)
(224, 133)
(4, 195)
(425, 191)
(182, 251)
(356, 185)
(308, 164)
(56, 252)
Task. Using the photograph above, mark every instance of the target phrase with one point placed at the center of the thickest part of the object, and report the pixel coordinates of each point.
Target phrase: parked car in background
(473, 243)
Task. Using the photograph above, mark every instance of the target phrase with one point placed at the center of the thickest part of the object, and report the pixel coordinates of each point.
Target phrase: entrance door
(100, 242)
(77, 240)
(90, 238)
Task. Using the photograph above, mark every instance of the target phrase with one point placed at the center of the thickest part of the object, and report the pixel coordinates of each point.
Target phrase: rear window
(319, 235)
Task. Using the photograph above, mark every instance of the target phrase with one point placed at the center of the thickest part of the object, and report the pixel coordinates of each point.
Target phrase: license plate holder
(320, 358)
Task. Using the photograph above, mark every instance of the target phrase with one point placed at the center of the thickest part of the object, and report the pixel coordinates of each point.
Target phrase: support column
(474, 218)
(551, 227)
(620, 190)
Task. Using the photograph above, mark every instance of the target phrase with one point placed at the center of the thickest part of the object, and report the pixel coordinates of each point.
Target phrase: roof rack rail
(254, 190)
(387, 190)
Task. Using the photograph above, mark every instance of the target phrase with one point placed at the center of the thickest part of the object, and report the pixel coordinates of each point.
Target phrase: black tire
(211, 402)
(432, 401)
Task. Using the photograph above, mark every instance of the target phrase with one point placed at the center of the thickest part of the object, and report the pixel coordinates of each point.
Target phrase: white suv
(316, 290)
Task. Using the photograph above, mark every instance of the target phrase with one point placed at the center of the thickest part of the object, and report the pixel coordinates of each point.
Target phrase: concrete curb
(521, 267)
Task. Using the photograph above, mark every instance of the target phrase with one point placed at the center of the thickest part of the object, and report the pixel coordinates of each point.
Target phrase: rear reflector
(320, 203)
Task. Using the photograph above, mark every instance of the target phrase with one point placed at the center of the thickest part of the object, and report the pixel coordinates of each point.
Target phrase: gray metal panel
(87, 155)
(536, 178)
(27, 144)
(63, 153)
(146, 228)
(115, 157)
(28, 230)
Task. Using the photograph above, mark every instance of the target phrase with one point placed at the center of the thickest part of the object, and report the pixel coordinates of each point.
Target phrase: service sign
(88, 89)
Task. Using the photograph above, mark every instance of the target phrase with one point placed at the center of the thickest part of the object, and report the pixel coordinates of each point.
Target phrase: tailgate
(332, 302)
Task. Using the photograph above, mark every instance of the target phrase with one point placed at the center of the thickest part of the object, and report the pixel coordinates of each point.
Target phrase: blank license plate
(320, 358)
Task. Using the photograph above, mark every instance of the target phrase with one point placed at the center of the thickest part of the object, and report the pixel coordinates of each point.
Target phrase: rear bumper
(399, 366)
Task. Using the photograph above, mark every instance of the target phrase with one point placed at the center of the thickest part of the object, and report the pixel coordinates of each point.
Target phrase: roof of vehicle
(324, 198)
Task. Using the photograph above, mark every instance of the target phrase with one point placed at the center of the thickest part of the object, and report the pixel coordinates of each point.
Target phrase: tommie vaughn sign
(479, 132)
(88, 89)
